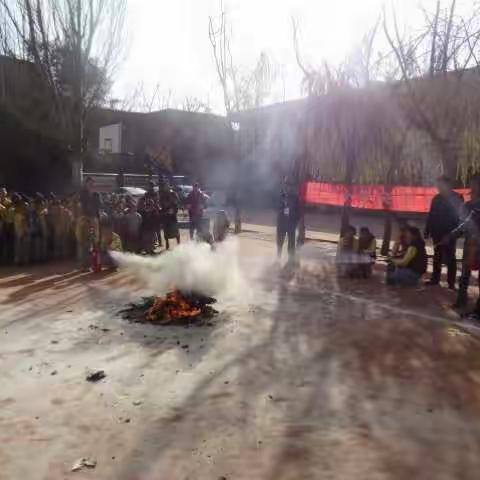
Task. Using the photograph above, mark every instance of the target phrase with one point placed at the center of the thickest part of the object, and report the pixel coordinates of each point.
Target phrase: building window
(107, 144)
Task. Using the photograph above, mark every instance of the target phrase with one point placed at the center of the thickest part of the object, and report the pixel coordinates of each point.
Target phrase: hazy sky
(169, 41)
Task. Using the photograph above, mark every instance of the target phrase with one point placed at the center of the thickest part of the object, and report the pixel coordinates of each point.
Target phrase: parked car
(134, 192)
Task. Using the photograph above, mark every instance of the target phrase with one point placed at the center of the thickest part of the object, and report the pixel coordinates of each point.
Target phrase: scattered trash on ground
(456, 332)
(96, 327)
(137, 403)
(96, 376)
(53, 373)
(84, 463)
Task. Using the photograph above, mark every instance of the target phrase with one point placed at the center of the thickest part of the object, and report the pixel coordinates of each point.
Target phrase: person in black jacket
(444, 217)
(288, 215)
(470, 228)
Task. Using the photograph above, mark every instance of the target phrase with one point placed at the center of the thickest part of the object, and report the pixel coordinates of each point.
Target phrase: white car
(134, 192)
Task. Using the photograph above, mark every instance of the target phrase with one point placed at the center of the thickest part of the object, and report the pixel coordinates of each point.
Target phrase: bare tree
(75, 46)
(195, 105)
(154, 100)
(241, 89)
(356, 132)
(339, 113)
(439, 75)
(358, 70)
(144, 99)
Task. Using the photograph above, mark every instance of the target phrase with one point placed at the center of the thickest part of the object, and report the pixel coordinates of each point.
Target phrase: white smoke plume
(190, 267)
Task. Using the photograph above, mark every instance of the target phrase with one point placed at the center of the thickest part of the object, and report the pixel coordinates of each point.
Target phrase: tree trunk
(301, 179)
(387, 234)
(77, 170)
(347, 206)
(237, 182)
(387, 227)
(301, 229)
(238, 218)
(448, 152)
(346, 213)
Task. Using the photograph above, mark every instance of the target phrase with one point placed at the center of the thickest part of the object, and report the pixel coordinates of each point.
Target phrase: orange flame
(173, 306)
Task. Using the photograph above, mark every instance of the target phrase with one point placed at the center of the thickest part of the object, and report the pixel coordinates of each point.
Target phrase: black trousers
(286, 229)
(197, 224)
(465, 280)
(445, 255)
(7, 242)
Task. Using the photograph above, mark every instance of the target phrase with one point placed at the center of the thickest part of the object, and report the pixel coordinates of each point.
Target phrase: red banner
(373, 197)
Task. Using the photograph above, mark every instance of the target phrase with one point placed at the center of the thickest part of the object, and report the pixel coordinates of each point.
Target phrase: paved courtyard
(302, 376)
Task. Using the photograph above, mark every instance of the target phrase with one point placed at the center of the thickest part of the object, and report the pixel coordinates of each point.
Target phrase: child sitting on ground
(367, 250)
(347, 253)
(110, 241)
(409, 269)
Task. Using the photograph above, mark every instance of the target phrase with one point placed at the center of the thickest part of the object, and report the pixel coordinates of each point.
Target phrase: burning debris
(176, 308)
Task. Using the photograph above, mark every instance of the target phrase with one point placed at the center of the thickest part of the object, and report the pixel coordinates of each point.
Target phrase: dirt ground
(304, 377)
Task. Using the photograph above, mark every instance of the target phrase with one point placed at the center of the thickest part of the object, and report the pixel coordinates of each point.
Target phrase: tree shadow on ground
(192, 340)
(327, 383)
(58, 282)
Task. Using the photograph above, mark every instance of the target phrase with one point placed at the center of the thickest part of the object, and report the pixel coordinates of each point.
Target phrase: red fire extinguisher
(96, 263)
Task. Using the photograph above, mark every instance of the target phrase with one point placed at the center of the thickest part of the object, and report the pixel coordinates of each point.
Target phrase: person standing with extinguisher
(288, 216)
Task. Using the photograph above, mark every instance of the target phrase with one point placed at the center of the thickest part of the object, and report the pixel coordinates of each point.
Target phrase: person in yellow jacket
(39, 230)
(409, 269)
(87, 235)
(7, 239)
(22, 233)
(62, 224)
(3, 215)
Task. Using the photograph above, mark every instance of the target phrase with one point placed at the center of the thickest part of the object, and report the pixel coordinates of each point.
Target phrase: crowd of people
(87, 225)
(448, 220)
